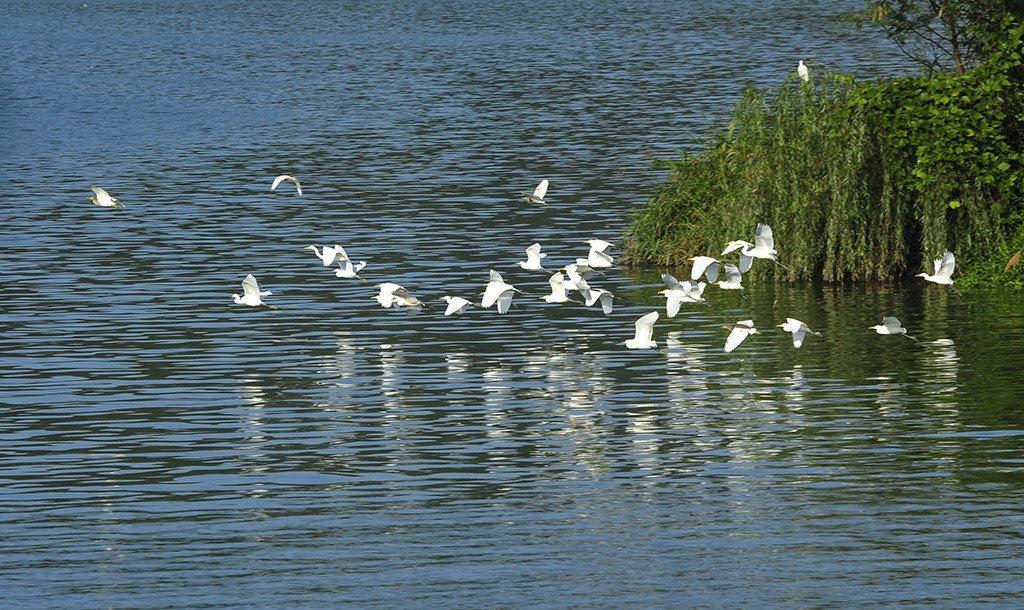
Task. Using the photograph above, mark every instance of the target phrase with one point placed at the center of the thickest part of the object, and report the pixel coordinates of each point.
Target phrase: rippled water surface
(162, 446)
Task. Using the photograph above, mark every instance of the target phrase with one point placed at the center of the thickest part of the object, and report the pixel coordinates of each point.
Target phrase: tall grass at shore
(815, 163)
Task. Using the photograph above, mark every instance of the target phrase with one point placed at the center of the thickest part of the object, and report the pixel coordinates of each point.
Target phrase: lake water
(164, 447)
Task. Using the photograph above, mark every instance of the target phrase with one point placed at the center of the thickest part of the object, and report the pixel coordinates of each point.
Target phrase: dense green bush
(858, 180)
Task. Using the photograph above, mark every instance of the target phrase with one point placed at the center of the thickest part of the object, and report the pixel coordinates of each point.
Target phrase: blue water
(164, 447)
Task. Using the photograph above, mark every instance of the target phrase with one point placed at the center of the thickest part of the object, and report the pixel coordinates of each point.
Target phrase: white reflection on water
(941, 369)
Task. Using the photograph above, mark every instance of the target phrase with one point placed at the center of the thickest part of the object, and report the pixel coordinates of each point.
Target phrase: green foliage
(858, 180)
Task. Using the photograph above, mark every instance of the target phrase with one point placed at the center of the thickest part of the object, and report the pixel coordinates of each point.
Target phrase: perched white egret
(738, 332)
(533, 256)
(498, 291)
(733, 278)
(538, 193)
(558, 295)
(890, 326)
(456, 305)
(644, 333)
(943, 270)
(763, 247)
(799, 329)
(103, 198)
(350, 269)
(801, 69)
(330, 255)
(251, 294)
(598, 258)
(678, 293)
(600, 294)
(283, 177)
(704, 265)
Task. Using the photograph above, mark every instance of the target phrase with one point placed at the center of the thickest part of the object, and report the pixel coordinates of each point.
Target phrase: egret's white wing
(892, 325)
(492, 292)
(671, 282)
(644, 331)
(496, 277)
(672, 305)
(735, 338)
(278, 180)
(505, 300)
(745, 262)
(945, 266)
(541, 190)
(599, 259)
(763, 237)
(702, 265)
(798, 336)
(599, 244)
(250, 288)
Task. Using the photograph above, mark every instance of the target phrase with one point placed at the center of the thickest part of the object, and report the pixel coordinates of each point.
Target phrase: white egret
(738, 332)
(644, 332)
(799, 329)
(350, 269)
(599, 294)
(330, 255)
(533, 256)
(763, 247)
(678, 293)
(386, 296)
(251, 294)
(943, 270)
(538, 193)
(558, 295)
(704, 265)
(103, 198)
(498, 291)
(283, 177)
(890, 326)
(598, 258)
(801, 69)
(456, 305)
(733, 278)
(577, 281)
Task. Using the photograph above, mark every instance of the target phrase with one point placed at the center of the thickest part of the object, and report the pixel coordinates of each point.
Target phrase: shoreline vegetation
(864, 180)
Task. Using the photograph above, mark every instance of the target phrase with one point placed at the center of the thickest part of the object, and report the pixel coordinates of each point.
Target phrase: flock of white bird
(574, 278)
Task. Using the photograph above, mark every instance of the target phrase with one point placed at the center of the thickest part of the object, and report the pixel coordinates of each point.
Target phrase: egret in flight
(350, 269)
(456, 305)
(283, 177)
(706, 266)
(103, 198)
(738, 332)
(330, 255)
(890, 326)
(498, 291)
(533, 256)
(251, 294)
(799, 329)
(678, 293)
(598, 258)
(538, 193)
(763, 247)
(558, 295)
(600, 294)
(644, 332)
(733, 278)
(943, 270)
